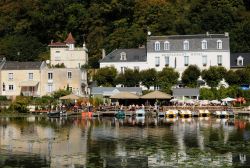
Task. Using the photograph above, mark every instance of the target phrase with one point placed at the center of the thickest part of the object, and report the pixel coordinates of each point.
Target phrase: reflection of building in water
(62, 147)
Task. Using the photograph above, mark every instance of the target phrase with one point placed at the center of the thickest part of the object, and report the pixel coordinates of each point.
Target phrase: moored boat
(203, 113)
(185, 113)
(221, 114)
(160, 114)
(171, 113)
(120, 114)
(57, 114)
(140, 113)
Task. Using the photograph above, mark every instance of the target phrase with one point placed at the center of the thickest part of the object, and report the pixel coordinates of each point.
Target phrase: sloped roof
(186, 92)
(102, 90)
(132, 55)
(70, 39)
(57, 44)
(69, 97)
(124, 95)
(15, 65)
(156, 95)
(234, 56)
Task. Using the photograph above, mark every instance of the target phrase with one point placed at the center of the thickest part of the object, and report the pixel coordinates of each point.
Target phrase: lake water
(130, 142)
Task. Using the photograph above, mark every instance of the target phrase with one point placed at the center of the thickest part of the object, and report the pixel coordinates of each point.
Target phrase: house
(239, 60)
(122, 59)
(176, 51)
(66, 53)
(182, 93)
(21, 78)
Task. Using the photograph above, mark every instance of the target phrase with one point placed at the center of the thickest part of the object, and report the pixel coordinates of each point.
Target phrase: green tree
(167, 78)
(190, 76)
(149, 77)
(59, 93)
(232, 77)
(213, 75)
(106, 76)
(130, 78)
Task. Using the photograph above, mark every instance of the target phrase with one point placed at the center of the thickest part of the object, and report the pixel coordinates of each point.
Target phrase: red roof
(57, 44)
(70, 39)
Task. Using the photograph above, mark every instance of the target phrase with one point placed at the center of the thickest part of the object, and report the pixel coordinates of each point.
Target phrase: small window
(157, 61)
(204, 60)
(3, 86)
(157, 46)
(186, 45)
(240, 61)
(219, 44)
(166, 60)
(123, 56)
(204, 44)
(30, 76)
(166, 45)
(50, 75)
(219, 60)
(69, 75)
(186, 60)
(11, 87)
(50, 87)
(10, 76)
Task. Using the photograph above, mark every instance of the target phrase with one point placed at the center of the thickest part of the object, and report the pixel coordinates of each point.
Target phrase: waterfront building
(182, 93)
(239, 60)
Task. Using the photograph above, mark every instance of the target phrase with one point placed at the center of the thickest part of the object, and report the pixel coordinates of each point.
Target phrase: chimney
(103, 53)
(226, 34)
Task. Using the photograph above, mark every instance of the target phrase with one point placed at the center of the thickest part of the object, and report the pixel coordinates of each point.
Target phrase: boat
(203, 113)
(195, 114)
(185, 113)
(57, 114)
(140, 113)
(221, 114)
(120, 114)
(160, 114)
(171, 113)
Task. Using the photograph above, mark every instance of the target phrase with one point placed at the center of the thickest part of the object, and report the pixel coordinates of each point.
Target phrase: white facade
(122, 66)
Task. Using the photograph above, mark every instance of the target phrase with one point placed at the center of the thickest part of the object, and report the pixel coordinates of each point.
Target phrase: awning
(124, 95)
(156, 95)
(28, 83)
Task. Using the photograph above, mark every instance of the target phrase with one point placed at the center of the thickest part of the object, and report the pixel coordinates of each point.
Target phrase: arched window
(219, 44)
(204, 44)
(157, 46)
(240, 61)
(166, 45)
(186, 45)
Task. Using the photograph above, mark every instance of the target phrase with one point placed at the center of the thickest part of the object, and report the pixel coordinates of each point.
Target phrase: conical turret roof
(70, 39)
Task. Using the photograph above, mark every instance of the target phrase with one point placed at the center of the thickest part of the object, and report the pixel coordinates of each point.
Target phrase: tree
(213, 75)
(106, 76)
(130, 78)
(167, 78)
(149, 77)
(190, 76)
(232, 77)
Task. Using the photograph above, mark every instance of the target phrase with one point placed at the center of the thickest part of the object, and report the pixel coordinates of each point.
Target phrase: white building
(176, 51)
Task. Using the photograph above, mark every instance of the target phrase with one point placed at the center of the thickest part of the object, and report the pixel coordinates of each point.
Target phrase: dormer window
(186, 45)
(157, 46)
(166, 45)
(240, 61)
(204, 44)
(123, 56)
(219, 44)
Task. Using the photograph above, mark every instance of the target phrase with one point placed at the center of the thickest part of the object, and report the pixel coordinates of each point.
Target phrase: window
(3, 86)
(57, 55)
(219, 44)
(240, 61)
(186, 45)
(186, 60)
(204, 60)
(30, 76)
(123, 56)
(157, 46)
(69, 75)
(204, 44)
(219, 59)
(166, 60)
(50, 75)
(50, 87)
(11, 87)
(10, 76)
(166, 45)
(157, 61)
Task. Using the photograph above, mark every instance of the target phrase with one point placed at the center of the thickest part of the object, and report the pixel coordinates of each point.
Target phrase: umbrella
(70, 97)
(124, 95)
(215, 102)
(156, 95)
(173, 100)
(228, 99)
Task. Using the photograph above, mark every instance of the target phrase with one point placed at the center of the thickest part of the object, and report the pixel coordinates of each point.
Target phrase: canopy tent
(228, 99)
(124, 95)
(156, 95)
(70, 97)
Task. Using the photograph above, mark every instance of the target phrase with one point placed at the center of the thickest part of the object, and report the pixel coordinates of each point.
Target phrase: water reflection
(108, 142)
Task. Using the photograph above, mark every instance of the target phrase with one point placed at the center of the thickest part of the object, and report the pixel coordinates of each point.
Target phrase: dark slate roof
(177, 92)
(176, 42)
(15, 65)
(132, 55)
(234, 56)
(101, 90)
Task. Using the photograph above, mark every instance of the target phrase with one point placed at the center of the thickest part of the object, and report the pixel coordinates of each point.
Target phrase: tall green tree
(232, 77)
(106, 76)
(213, 75)
(130, 78)
(190, 76)
(149, 77)
(167, 78)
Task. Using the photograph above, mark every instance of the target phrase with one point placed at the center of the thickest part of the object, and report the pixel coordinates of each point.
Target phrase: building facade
(66, 53)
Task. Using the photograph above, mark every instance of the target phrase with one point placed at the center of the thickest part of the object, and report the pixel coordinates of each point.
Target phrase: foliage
(213, 75)
(130, 78)
(106, 76)
(232, 77)
(20, 104)
(59, 65)
(167, 78)
(59, 93)
(149, 77)
(190, 76)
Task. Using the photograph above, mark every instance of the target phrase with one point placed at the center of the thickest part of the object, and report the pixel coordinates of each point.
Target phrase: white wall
(130, 65)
